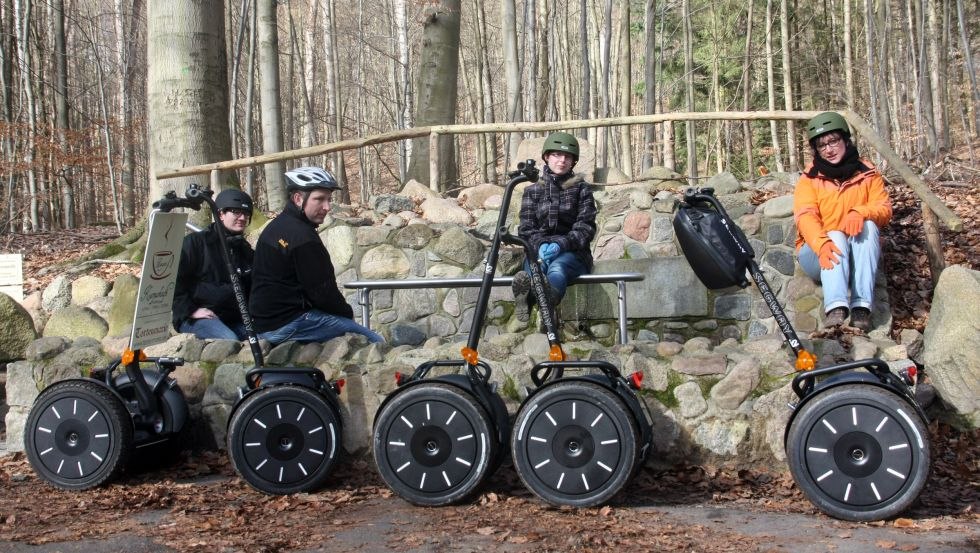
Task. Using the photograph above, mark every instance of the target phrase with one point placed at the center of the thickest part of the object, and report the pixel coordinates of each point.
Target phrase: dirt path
(201, 505)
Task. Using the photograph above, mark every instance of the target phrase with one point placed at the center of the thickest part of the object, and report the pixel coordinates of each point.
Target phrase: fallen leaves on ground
(219, 512)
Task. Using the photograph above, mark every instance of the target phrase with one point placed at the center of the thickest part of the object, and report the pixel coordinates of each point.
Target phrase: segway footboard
(856, 442)
(578, 440)
(437, 440)
(284, 433)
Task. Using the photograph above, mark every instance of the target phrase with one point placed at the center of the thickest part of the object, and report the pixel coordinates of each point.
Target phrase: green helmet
(560, 142)
(826, 122)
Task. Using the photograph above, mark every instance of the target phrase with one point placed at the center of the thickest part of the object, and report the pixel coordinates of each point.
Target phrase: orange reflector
(339, 384)
(470, 355)
(636, 380)
(399, 377)
(806, 361)
(129, 356)
(913, 372)
(556, 354)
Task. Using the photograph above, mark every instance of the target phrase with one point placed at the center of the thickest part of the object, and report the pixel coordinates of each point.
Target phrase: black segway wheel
(78, 435)
(284, 439)
(433, 444)
(575, 443)
(859, 452)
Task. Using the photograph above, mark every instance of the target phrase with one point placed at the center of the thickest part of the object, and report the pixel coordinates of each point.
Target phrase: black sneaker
(521, 286)
(861, 318)
(835, 317)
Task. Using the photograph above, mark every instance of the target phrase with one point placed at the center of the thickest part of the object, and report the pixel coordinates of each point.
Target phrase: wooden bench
(365, 287)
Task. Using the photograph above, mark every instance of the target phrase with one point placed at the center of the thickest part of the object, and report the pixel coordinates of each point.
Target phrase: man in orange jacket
(839, 206)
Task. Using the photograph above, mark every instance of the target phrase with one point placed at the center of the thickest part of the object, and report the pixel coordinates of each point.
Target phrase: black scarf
(843, 170)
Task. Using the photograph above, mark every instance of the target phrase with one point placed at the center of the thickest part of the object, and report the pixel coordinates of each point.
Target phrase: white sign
(154, 301)
(12, 275)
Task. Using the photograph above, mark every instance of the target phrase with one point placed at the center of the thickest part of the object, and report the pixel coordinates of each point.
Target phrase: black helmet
(310, 178)
(233, 199)
(560, 142)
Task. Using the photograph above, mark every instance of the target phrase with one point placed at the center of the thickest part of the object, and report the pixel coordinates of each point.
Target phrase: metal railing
(365, 287)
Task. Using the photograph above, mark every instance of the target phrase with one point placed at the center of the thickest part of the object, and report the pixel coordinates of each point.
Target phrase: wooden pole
(934, 244)
(944, 214)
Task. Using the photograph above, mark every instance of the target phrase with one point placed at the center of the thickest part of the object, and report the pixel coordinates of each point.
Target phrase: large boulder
(17, 330)
(88, 288)
(444, 210)
(124, 290)
(57, 294)
(74, 321)
(952, 341)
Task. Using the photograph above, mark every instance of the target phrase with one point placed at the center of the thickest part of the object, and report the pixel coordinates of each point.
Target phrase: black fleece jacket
(202, 278)
(292, 273)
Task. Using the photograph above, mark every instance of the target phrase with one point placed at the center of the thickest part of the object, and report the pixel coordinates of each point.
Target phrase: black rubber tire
(284, 439)
(575, 444)
(78, 435)
(434, 444)
(859, 452)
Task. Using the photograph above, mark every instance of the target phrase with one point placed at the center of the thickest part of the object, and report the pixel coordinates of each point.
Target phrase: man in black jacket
(204, 301)
(294, 289)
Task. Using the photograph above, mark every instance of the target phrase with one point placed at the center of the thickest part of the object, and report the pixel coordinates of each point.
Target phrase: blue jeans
(851, 283)
(213, 329)
(563, 268)
(317, 326)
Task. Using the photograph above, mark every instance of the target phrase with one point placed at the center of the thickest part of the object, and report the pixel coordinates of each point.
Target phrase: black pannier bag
(713, 244)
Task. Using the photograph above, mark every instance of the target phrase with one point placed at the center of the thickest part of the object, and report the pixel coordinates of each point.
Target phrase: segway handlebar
(193, 198)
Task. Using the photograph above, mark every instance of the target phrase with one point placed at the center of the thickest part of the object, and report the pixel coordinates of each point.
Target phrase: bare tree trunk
(649, 81)
(272, 138)
(937, 68)
(605, 65)
(236, 60)
(747, 91)
(530, 61)
(61, 110)
(250, 101)
(586, 68)
(437, 92)
(625, 88)
(543, 78)
(333, 84)
(788, 85)
(487, 98)
(187, 85)
(848, 56)
(22, 20)
(968, 66)
(6, 109)
(512, 76)
(771, 88)
(692, 142)
(117, 209)
(403, 118)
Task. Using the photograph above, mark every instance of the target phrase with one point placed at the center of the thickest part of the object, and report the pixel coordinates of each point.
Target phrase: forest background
(97, 96)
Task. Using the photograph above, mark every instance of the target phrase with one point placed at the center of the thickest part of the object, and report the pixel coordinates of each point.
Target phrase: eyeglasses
(832, 143)
(237, 212)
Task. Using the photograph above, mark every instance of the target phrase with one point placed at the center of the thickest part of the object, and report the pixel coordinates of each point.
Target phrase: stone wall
(716, 370)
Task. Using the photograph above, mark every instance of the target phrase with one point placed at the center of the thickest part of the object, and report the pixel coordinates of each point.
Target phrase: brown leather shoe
(835, 317)
(861, 318)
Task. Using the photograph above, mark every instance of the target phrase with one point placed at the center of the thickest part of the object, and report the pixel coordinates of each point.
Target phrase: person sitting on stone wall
(294, 289)
(839, 206)
(557, 218)
(204, 301)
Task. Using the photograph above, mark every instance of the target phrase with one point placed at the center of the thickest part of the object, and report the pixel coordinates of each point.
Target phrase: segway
(81, 432)
(285, 429)
(579, 439)
(856, 440)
